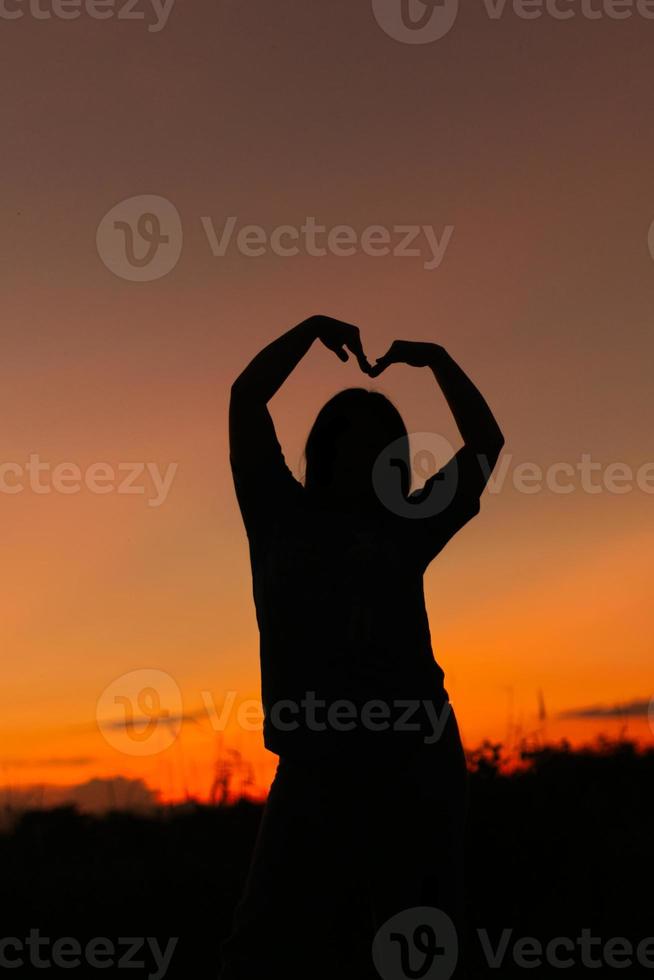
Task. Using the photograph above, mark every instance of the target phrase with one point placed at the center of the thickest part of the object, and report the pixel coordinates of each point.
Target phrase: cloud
(628, 709)
(54, 762)
(92, 796)
(120, 723)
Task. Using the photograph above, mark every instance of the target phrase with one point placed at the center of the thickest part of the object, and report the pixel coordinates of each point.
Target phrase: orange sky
(532, 139)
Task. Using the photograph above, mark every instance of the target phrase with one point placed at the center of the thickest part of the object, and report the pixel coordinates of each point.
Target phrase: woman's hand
(340, 338)
(414, 353)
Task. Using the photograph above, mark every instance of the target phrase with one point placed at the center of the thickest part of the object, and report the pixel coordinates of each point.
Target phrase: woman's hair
(367, 423)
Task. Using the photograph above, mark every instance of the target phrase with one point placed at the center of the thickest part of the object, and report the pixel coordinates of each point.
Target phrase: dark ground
(565, 845)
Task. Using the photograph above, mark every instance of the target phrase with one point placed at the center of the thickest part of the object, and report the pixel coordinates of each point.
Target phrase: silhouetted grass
(561, 843)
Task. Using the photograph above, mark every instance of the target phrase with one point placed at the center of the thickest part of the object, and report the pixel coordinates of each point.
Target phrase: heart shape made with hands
(413, 353)
(341, 337)
(394, 355)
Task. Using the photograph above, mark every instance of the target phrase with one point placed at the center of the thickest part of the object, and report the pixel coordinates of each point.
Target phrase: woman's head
(347, 438)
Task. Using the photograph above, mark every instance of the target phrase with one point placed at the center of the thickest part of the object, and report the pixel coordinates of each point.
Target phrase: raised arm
(450, 498)
(258, 465)
(481, 434)
(268, 371)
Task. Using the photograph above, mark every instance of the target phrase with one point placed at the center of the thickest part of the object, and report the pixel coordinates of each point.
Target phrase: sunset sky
(532, 139)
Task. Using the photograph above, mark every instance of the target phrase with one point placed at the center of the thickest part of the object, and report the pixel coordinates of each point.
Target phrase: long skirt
(345, 845)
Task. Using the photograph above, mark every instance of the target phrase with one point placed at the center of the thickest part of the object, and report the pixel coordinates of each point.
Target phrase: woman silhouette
(366, 813)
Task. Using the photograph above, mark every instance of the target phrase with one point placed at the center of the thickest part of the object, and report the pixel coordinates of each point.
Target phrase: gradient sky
(532, 138)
